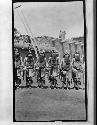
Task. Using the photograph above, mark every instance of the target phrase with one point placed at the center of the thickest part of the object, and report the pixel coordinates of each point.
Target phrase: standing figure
(77, 70)
(41, 69)
(54, 67)
(18, 63)
(29, 66)
(65, 68)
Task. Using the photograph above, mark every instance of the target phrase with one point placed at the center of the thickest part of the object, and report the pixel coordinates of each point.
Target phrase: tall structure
(62, 39)
(62, 35)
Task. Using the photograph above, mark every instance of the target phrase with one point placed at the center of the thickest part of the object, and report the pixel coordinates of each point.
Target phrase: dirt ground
(35, 104)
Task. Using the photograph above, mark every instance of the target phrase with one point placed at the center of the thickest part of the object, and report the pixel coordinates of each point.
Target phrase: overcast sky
(48, 18)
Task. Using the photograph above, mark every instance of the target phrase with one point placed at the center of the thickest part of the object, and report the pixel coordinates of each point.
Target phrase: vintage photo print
(49, 61)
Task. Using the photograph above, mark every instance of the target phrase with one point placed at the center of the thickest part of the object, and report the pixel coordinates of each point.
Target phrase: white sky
(48, 18)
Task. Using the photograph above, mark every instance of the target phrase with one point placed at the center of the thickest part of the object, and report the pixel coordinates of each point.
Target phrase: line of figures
(70, 73)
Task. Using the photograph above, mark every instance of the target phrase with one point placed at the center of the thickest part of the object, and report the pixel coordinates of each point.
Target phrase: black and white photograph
(49, 61)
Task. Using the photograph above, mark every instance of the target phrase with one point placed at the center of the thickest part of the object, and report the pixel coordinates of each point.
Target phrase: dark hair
(76, 54)
(65, 55)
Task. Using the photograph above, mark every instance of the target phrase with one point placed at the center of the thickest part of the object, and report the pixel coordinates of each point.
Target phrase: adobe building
(71, 45)
(60, 44)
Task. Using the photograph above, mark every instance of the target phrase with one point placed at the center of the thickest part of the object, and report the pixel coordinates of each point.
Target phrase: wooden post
(75, 47)
(70, 51)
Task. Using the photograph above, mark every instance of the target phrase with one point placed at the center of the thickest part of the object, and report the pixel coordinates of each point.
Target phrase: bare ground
(45, 104)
